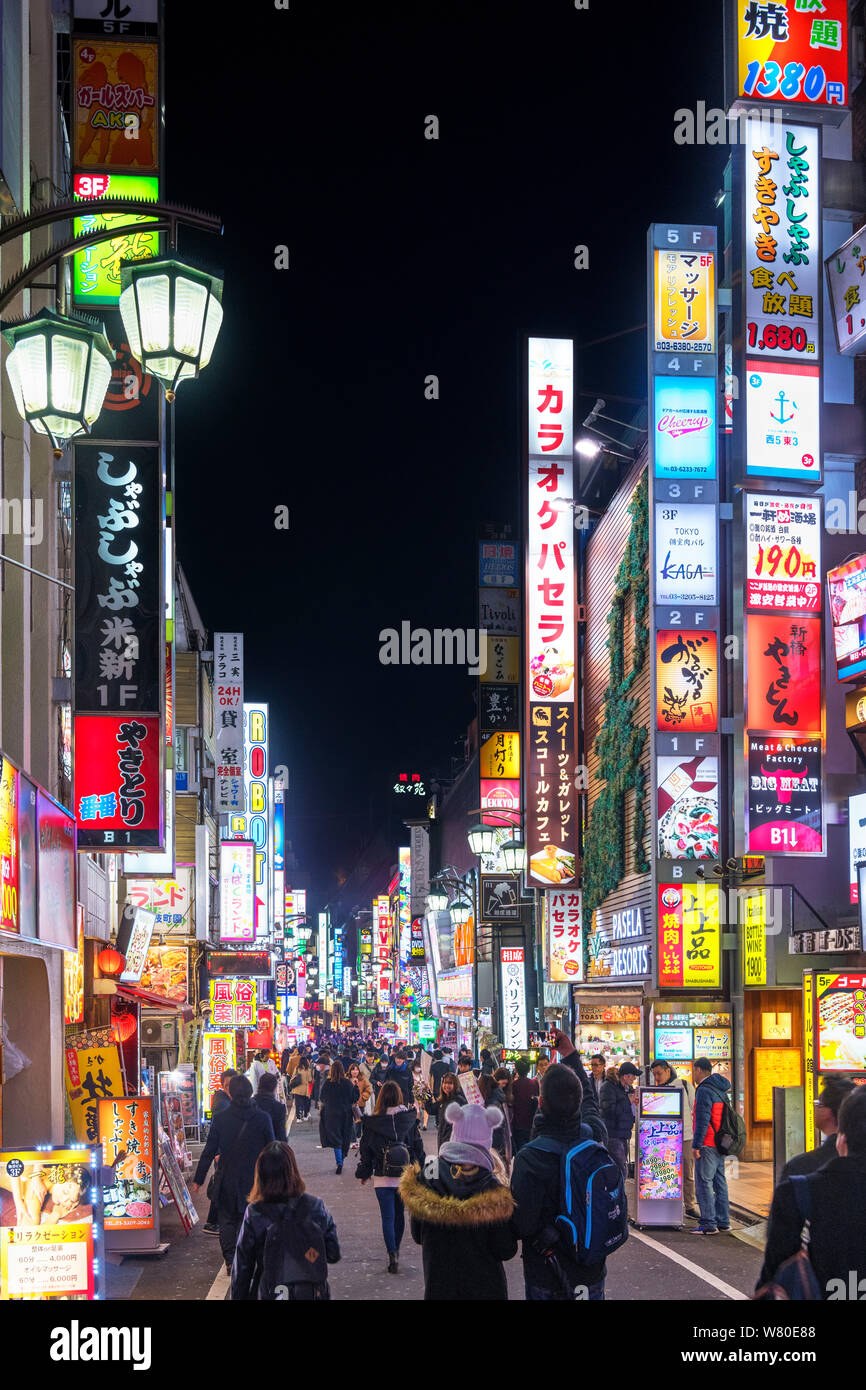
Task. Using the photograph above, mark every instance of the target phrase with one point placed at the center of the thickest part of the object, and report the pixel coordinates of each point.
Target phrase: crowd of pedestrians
(504, 1173)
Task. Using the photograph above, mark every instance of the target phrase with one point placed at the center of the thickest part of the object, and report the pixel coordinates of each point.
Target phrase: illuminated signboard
(133, 940)
(166, 972)
(237, 890)
(500, 756)
(93, 1070)
(774, 1066)
(228, 701)
(126, 1131)
(338, 960)
(512, 975)
(845, 271)
(73, 977)
(254, 824)
(499, 611)
(783, 552)
(847, 589)
(689, 936)
(841, 1005)
(56, 849)
(115, 100)
(9, 847)
(685, 302)
(856, 840)
(51, 1244)
(783, 420)
(687, 680)
(619, 945)
(96, 269)
(118, 781)
(782, 211)
(162, 863)
(139, 17)
(754, 920)
(170, 899)
(783, 687)
(688, 807)
(564, 936)
(793, 52)
(784, 806)
(684, 426)
(498, 565)
(660, 1155)
(685, 554)
(217, 1056)
(404, 914)
(498, 800)
(673, 1044)
(233, 1003)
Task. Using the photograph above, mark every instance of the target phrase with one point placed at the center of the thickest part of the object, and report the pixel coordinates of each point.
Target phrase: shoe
(210, 1230)
(695, 1215)
(392, 1263)
(706, 1231)
(723, 1229)
(339, 1169)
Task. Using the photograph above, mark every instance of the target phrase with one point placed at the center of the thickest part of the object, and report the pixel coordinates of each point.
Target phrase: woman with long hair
(390, 1140)
(494, 1095)
(365, 1090)
(449, 1090)
(283, 1269)
(337, 1096)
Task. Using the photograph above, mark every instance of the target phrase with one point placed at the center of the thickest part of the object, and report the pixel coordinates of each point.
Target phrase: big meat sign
(549, 651)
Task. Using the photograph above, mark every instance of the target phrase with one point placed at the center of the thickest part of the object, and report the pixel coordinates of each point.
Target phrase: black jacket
(237, 1160)
(616, 1110)
(535, 1189)
(590, 1113)
(404, 1079)
(463, 1226)
(437, 1071)
(336, 1099)
(377, 1075)
(437, 1109)
(277, 1111)
(249, 1254)
(811, 1161)
(837, 1248)
(219, 1102)
(378, 1131)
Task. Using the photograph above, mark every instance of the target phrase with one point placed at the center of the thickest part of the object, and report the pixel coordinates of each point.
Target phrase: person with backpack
(565, 1233)
(711, 1099)
(287, 1239)
(816, 1235)
(390, 1140)
(237, 1136)
(460, 1211)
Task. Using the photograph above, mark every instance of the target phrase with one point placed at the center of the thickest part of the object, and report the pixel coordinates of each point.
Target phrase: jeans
(618, 1149)
(338, 1155)
(393, 1217)
(712, 1189)
(535, 1294)
(302, 1106)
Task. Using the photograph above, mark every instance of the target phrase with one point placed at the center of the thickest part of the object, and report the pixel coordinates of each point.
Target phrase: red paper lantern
(110, 962)
(123, 1026)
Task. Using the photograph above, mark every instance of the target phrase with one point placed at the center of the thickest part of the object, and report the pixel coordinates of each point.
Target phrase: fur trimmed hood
(436, 1197)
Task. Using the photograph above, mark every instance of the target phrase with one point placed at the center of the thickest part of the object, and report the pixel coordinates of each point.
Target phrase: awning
(155, 1001)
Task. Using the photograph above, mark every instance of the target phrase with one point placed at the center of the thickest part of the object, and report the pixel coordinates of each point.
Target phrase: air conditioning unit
(159, 1032)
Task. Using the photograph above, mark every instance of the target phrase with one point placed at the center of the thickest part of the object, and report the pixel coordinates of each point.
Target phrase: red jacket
(710, 1098)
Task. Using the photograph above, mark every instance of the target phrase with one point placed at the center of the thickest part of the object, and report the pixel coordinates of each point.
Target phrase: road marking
(727, 1289)
(220, 1286)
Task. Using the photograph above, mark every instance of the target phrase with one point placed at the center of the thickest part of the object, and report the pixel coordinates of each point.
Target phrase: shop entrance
(25, 1098)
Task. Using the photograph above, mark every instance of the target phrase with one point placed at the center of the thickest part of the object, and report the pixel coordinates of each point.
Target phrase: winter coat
(501, 1137)
(378, 1074)
(837, 1247)
(300, 1082)
(247, 1269)
(404, 1079)
(219, 1102)
(524, 1101)
(378, 1131)
(437, 1109)
(237, 1160)
(365, 1090)
(336, 1099)
(535, 1187)
(616, 1110)
(463, 1225)
(277, 1111)
(709, 1103)
(590, 1112)
(437, 1071)
(810, 1161)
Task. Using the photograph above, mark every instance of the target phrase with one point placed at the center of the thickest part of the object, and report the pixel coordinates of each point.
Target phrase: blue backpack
(593, 1221)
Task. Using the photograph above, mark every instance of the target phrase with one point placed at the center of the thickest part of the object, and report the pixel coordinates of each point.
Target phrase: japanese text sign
(96, 269)
(684, 427)
(551, 819)
(845, 271)
(783, 421)
(785, 797)
(237, 890)
(687, 680)
(51, 1225)
(92, 1074)
(217, 1056)
(689, 936)
(233, 1003)
(783, 552)
(685, 301)
(115, 98)
(783, 686)
(793, 52)
(126, 1131)
(685, 554)
(564, 936)
(118, 781)
(512, 974)
(228, 699)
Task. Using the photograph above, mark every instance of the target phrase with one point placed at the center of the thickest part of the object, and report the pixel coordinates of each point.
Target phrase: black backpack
(731, 1134)
(395, 1156)
(294, 1252)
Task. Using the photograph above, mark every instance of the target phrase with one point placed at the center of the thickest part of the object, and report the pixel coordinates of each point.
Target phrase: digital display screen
(673, 1044)
(660, 1102)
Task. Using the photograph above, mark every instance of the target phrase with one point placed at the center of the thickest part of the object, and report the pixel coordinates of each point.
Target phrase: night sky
(407, 257)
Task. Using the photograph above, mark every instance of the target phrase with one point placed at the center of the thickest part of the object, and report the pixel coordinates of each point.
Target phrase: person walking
(365, 1092)
(299, 1088)
(439, 1068)
(289, 1060)
(266, 1100)
(710, 1182)
(237, 1136)
(827, 1106)
(306, 1237)
(321, 1067)
(460, 1211)
(400, 1071)
(259, 1066)
(220, 1100)
(550, 1270)
(336, 1099)
(487, 1063)
(390, 1139)
(833, 1201)
(617, 1112)
(663, 1074)
(494, 1095)
(524, 1098)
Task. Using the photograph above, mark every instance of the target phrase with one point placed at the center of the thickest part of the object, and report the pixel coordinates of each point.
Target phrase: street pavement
(654, 1265)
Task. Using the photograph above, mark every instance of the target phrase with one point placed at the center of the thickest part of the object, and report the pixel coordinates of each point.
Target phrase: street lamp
(59, 369)
(460, 910)
(437, 899)
(482, 839)
(514, 855)
(172, 315)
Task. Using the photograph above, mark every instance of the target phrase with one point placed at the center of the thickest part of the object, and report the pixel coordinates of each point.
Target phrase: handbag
(214, 1187)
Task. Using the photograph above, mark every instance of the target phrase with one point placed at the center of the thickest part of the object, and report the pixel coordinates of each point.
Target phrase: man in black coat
(401, 1072)
(439, 1069)
(827, 1107)
(836, 1202)
(237, 1136)
(590, 1113)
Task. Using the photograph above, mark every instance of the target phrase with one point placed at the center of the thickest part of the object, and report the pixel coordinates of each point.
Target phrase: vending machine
(658, 1169)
